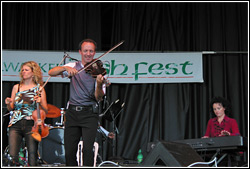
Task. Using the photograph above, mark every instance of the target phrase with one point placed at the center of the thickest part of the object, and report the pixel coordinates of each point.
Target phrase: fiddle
(95, 68)
(39, 130)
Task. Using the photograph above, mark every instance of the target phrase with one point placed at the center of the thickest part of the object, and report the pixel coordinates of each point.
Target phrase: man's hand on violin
(71, 71)
(100, 79)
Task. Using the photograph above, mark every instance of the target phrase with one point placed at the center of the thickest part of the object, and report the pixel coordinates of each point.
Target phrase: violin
(96, 68)
(40, 129)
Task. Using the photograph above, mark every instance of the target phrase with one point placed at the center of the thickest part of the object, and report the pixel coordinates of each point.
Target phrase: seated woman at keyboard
(221, 125)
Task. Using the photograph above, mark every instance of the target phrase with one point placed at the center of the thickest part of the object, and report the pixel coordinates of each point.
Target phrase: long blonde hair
(38, 76)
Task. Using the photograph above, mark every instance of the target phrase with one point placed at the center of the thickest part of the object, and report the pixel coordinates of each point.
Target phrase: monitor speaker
(172, 154)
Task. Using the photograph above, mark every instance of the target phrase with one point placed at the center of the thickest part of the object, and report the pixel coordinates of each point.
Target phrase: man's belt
(79, 108)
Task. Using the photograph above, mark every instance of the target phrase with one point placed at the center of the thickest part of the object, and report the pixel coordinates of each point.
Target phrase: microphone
(71, 58)
(65, 56)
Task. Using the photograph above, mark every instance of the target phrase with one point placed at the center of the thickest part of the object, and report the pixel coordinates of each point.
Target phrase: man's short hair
(87, 40)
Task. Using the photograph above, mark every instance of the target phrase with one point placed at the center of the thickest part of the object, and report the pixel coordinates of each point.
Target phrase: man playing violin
(82, 110)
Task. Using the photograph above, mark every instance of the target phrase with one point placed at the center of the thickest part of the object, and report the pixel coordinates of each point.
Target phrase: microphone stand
(115, 129)
(113, 115)
(61, 119)
(108, 108)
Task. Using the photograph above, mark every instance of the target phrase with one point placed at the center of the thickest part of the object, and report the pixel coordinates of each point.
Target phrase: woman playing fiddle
(22, 104)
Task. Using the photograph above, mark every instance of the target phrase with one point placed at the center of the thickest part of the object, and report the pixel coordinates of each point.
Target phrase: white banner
(121, 67)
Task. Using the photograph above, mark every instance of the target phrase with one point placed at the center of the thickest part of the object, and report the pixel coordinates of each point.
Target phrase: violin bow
(65, 56)
(100, 56)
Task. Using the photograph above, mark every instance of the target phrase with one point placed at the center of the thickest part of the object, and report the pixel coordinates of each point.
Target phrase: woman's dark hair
(87, 40)
(225, 103)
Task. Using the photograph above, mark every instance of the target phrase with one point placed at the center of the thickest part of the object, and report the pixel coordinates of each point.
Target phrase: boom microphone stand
(114, 115)
(111, 114)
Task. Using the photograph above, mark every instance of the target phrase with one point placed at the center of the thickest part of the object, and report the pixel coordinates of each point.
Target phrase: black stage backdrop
(167, 111)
